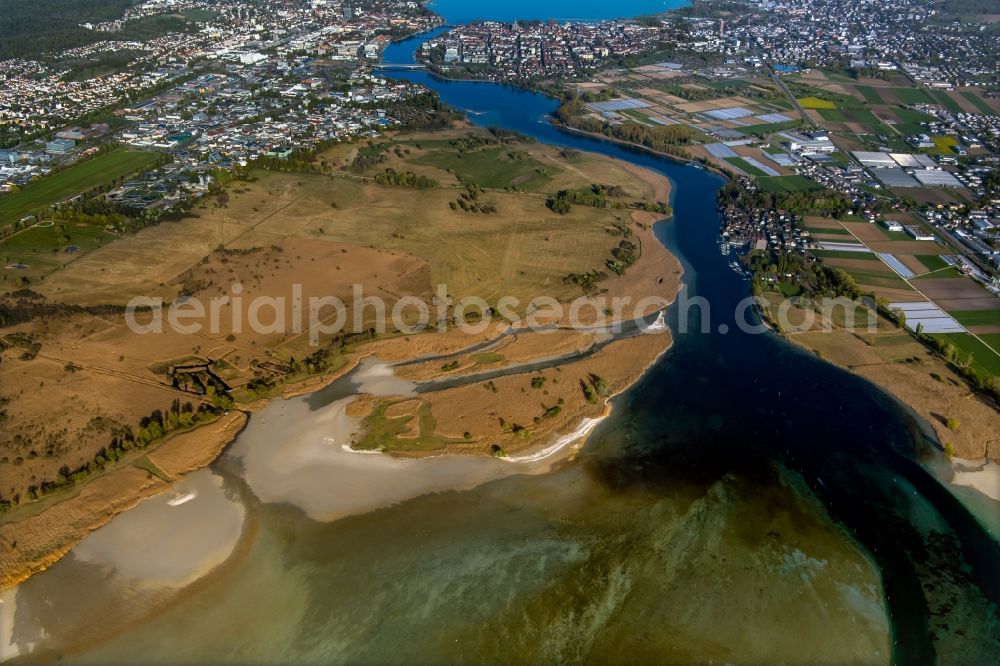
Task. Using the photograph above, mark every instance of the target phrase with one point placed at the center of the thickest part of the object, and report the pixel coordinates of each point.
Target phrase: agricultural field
(977, 317)
(793, 183)
(910, 271)
(978, 102)
(894, 95)
(745, 166)
(973, 351)
(946, 100)
(78, 178)
(816, 103)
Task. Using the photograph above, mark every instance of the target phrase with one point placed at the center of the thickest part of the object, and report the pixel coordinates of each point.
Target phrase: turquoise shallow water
(745, 502)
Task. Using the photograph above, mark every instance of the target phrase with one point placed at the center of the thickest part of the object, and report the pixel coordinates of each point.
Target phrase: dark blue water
(724, 401)
(466, 11)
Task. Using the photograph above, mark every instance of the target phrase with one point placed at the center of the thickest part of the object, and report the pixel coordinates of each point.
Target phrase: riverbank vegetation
(150, 431)
(667, 139)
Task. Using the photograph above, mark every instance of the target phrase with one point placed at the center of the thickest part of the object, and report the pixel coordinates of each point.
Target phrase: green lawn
(977, 317)
(745, 166)
(100, 170)
(788, 184)
(978, 102)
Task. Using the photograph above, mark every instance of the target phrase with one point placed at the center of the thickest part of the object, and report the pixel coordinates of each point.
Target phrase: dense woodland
(31, 27)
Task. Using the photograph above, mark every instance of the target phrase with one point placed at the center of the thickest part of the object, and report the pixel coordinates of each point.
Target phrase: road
(798, 107)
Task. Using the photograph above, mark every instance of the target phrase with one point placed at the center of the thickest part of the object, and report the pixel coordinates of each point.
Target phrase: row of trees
(599, 196)
(405, 179)
(470, 203)
(151, 428)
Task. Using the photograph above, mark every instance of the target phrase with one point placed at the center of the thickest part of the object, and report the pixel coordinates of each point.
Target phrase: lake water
(745, 502)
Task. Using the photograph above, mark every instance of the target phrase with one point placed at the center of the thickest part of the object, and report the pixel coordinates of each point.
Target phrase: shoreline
(44, 538)
(922, 412)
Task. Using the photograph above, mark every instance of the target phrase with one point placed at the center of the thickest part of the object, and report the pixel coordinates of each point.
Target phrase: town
(280, 78)
(883, 113)
(530, 50)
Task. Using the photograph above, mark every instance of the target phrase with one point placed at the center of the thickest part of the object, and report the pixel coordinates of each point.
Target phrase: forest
(30, 28)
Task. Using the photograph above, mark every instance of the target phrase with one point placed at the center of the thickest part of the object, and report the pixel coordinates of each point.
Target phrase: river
(745, 502)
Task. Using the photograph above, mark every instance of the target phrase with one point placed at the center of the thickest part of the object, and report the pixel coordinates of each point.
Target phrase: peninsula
(488, 214)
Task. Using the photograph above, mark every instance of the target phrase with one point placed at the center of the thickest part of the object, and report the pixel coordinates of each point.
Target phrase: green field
(876, 278)
(911, 95)
(945, 100)
(911, 116)
(841, 254)
(885, 95)
(933, 262)
(78, 178)
(992, 339)
(949, 272)
(42, 249)
(984, 360)
(838, 231)
(788, 184)
(977, 317)
(492, 167)
(745, 166)
(978, 102)
(727, 83)
(833, 115)
(909, 129)
(862, 116)
(870, 94)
